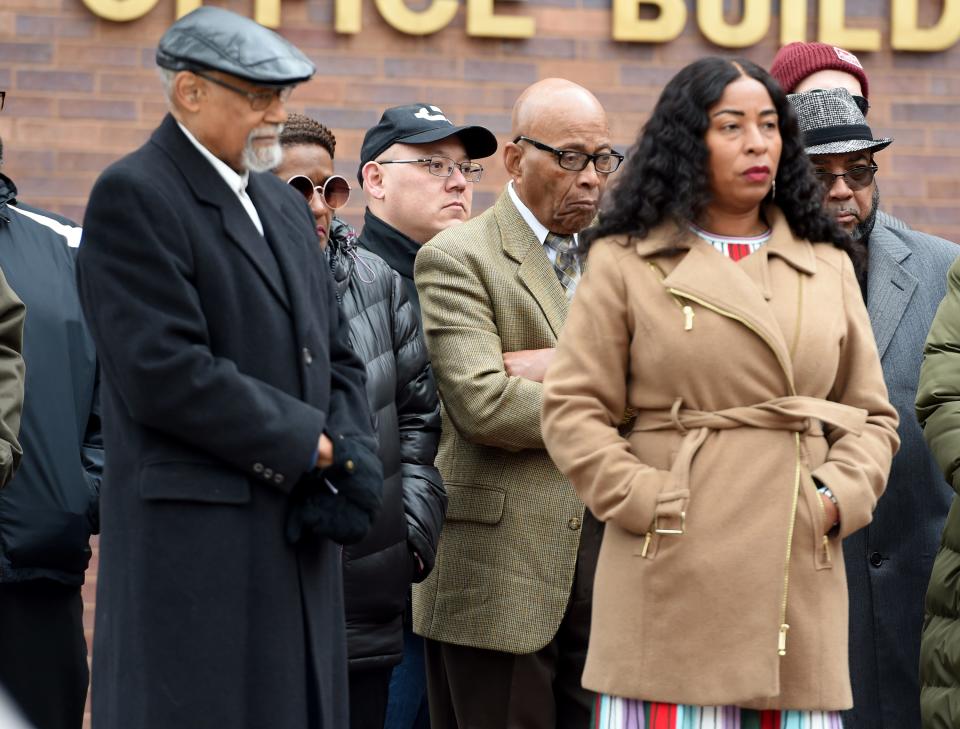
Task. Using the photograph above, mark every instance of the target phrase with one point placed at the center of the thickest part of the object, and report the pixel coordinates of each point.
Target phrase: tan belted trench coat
(716, 583)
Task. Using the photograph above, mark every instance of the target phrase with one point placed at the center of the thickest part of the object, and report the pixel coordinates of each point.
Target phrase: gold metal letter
(481, 22)
(905, 35)
(267, 12)
(120, 10)
(751, 28)
(628, 26)
(347, 14)
(834, 32)
(187, 6)
(418, 22)
(793, 21)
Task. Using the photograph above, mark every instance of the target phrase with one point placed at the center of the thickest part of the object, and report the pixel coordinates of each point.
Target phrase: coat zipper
(784, 626)
(688, 312)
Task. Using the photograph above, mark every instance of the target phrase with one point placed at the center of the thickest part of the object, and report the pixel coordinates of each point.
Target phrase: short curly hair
(301, 129)
(666, 177)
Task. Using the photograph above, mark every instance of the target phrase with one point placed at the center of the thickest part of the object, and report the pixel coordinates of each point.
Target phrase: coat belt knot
(794, 413)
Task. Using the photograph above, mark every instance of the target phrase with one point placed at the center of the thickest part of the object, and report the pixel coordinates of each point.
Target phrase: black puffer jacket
(385, 333)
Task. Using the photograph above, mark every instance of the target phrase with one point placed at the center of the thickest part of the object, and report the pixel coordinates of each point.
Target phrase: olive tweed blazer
(506, 558)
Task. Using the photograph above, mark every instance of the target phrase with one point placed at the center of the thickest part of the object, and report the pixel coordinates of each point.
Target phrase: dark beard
(860, 237)
(864, 228)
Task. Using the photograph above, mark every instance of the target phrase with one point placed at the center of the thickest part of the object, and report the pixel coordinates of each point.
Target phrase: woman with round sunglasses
(399, 549)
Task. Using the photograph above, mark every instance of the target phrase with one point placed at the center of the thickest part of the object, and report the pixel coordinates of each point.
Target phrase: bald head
(554, 102)
(558, 114)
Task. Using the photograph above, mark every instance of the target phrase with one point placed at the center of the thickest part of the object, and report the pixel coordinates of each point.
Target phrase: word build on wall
(629, 20)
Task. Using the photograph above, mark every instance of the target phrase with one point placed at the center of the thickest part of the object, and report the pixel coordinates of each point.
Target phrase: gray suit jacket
(888, 563)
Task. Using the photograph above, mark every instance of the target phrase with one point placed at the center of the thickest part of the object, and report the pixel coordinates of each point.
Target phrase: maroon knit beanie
(795, 61)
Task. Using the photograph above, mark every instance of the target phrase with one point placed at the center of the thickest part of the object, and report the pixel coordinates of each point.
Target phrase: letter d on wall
(905, 35)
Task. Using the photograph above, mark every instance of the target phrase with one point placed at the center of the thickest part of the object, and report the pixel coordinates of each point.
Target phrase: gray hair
(166, 78)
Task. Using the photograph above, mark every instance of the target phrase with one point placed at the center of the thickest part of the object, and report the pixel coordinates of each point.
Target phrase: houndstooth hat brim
(831, 123)
(847, 146)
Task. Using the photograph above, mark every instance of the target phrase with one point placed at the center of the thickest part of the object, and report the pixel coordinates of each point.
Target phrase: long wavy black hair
(666, 175)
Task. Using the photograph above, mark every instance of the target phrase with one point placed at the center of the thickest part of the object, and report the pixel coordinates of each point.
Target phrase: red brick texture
(82, 91)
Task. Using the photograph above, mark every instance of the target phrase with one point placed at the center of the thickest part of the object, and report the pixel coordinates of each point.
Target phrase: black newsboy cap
(218, 40)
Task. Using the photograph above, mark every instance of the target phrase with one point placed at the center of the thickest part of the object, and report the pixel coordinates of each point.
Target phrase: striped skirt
(613, 712)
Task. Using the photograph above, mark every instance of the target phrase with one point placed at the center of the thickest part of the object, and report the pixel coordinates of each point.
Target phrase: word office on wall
(634, 21)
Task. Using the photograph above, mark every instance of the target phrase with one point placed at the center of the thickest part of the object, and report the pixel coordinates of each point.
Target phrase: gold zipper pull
(826, 548)
(688, 314)
(647, 538)
(782, 641)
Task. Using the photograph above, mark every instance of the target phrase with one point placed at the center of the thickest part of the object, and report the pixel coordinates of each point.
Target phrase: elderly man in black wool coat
(238, 437)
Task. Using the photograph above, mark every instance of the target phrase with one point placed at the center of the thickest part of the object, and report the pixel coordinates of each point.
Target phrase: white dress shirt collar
(538, 228)
(235, 181)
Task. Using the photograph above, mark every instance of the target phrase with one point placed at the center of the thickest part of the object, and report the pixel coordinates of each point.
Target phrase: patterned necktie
(565, 264)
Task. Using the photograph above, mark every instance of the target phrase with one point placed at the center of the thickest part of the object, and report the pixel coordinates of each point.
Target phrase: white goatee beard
(262, 158)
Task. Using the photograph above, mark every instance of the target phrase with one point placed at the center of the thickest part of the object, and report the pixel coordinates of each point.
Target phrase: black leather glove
(344, 516)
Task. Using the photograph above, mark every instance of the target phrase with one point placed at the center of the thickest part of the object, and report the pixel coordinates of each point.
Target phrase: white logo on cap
(424, 114)
(847, 57)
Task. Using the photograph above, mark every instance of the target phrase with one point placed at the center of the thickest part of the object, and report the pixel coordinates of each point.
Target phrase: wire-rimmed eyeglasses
(576, 161)
(334, 192)
(856, 178)
(259, 100)
(441, 166)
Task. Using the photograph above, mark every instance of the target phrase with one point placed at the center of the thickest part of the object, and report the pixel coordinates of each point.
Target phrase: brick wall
(83, 91)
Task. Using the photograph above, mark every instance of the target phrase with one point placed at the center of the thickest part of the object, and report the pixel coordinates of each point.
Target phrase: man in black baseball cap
(417, 169)
(240, 447)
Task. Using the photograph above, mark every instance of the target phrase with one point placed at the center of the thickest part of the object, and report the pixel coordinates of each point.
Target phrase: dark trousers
(474, 688)
(368, 697)
(43, 655)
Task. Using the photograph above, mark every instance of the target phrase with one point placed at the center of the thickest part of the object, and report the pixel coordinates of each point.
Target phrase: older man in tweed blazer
(507, 609)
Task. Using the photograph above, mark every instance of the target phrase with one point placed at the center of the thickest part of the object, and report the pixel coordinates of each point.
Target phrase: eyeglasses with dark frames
(3, 97)
(259, 100)
(334, 192)
(856, 178)
(441, 166)
(575, 161)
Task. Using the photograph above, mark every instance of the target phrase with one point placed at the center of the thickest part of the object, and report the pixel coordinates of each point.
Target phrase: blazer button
(307, 357)
(258, 468)
(278, 478)
(574, 523)
(876, 559)
(268, 473)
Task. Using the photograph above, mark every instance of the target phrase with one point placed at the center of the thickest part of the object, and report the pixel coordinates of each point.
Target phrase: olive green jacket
(938, 408)
(12, 314)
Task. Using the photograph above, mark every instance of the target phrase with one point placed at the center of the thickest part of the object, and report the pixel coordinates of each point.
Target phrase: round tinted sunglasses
(334, 192)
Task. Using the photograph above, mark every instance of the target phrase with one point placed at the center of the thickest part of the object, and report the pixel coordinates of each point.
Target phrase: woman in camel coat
(761, 434)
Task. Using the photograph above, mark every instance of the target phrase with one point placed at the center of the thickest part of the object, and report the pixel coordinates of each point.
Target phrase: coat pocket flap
(474, 503)
(193, 481)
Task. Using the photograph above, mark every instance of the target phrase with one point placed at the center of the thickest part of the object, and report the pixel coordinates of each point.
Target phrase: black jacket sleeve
(418, 411)
(349, 413)
(91, 456)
